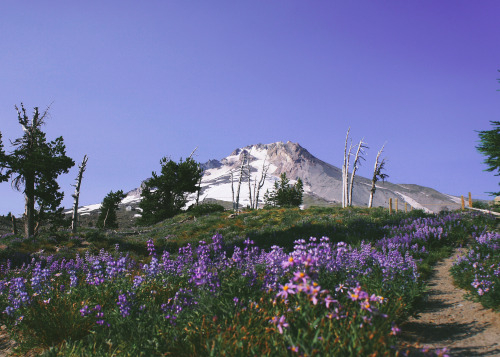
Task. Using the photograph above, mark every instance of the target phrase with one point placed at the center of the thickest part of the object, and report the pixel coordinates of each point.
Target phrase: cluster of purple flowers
(481, 264)
(202, 269)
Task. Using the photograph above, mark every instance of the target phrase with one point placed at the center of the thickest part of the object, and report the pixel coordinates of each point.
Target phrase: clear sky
(132, 81)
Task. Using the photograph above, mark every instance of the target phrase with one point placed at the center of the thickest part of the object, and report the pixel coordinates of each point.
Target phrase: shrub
(205, 208)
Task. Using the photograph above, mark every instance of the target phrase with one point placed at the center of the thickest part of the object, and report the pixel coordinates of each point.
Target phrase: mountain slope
(322, 181)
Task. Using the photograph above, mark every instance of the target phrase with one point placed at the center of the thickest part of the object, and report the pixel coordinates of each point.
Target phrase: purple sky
(131, 82)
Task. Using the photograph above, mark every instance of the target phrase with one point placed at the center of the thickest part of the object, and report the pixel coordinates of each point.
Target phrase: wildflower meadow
(322, 297)
(478, 269)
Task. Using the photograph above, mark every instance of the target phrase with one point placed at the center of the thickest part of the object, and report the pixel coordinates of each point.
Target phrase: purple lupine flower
(151, 247)
(124, 305)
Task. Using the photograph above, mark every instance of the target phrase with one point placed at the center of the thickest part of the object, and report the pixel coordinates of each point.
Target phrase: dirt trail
(449, 320)
(6, 344)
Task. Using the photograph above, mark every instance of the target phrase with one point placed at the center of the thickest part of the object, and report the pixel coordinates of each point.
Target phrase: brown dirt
(449, 320)
(6, 344)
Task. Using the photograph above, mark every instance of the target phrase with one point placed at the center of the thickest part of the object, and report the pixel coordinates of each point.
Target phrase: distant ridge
(322, 181)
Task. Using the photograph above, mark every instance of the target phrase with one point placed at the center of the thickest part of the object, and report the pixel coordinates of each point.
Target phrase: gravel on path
(450, 320)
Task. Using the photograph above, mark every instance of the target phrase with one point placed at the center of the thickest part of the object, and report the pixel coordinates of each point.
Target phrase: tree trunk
(239, 181)
(14, 227)
(249, 184)
(198, 193)
(354, 168)
(76, 195)
(375, 177)
(345, 172)
(29, 208)
(346, 177)
(232, 189)
(261, 183)
(105, 218)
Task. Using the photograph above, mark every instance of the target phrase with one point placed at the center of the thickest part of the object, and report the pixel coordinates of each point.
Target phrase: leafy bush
(205, 208)
(480, 205)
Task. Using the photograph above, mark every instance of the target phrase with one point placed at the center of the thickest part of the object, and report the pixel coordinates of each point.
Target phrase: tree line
(34, 164)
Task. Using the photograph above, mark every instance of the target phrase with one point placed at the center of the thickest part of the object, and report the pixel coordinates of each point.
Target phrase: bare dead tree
(192, 153)
(199, 182)
(344, 172)
(249, 174)
(232, 189)
(243, 160)
(256, 189)
(359, 156)
(377, 174)
(105, 218)
(76, 195)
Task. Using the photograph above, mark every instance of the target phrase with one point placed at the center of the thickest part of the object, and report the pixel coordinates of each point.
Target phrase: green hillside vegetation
(266, 227)
(128, 314)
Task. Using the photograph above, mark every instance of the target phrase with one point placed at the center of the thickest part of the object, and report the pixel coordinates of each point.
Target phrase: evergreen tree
(284, 194)
(34, 166)
(109, 206)
(3, 161)
(164, 195)
(490, 147)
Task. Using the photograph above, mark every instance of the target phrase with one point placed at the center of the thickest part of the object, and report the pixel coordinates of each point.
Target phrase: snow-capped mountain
(322, 181)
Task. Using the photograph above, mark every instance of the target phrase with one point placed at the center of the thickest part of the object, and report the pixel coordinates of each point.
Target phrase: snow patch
(89, 208)
(454, 198)
(413, 203)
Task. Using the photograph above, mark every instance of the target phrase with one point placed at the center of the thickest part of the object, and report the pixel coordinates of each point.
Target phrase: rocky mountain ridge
(322, 181)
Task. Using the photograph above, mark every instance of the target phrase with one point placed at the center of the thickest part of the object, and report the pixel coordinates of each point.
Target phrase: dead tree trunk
(345, 172)
(239, 181)
(232, 190)
(76, 195)
(359, 151)
(376, 175)
(261, 184)
(249, 183)
(105, 218)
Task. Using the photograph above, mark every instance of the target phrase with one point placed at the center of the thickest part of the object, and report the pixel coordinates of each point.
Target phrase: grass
(261, 287)
(265, 227)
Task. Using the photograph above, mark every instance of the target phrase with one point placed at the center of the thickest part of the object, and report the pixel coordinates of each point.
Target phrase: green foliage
(205, 208)
(284, 194)
(480, 205)
(164, 195)
(3, 162)
(477, 270)
(34, 166)
(107, 215)
(490, 147)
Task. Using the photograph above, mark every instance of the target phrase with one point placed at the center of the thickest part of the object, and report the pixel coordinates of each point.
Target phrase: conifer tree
(3, 161)
(165, 194)
(107, 216)
(33, 166)
(284, 194)
(490, 147)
